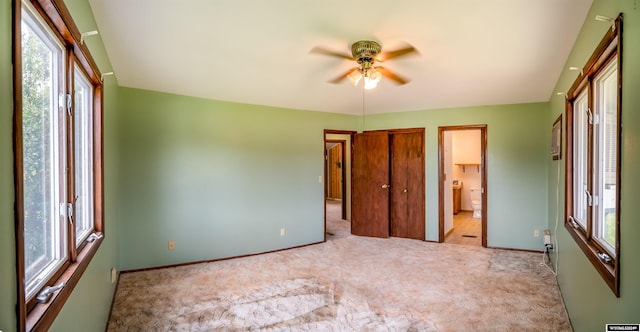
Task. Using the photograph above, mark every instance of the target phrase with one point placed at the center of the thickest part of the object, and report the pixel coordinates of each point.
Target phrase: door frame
(483, 176)
(351, 133)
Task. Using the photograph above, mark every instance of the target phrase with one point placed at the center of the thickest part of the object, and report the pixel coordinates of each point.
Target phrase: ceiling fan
(366, 53)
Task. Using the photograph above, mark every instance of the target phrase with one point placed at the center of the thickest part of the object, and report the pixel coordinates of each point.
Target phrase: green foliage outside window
(37, 78)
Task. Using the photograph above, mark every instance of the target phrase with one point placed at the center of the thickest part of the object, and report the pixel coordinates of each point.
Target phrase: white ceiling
(257, 52)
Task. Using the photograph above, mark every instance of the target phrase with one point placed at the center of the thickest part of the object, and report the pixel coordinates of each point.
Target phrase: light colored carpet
(348, 283)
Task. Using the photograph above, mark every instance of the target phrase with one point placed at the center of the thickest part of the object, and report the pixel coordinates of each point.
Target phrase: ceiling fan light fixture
(374, 75)
(355, 77)
(372, 78)
(365, 53)
(369, 84)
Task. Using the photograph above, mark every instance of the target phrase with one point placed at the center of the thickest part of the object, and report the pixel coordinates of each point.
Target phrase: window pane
(580, 158)
(83, 131)
(606, 139)
(43, 154)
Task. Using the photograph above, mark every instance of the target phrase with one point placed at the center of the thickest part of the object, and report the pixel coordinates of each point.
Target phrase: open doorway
(462, 185)
(337, 184)
(335, 174)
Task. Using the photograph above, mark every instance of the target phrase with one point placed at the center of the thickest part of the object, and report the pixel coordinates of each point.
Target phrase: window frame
(55, 15)
(57, 150)
(86, 83)
(599, 141)
(609, 49)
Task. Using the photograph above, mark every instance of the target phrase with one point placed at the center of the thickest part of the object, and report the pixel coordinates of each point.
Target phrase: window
(43, 154)
(593, 162)
(580, 154)
(58, 159)
(83, 150)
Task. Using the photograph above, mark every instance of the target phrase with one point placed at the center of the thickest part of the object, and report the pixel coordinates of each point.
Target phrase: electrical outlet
(536, 233)
(114, 275)
(172, 245)
(283, 232)
(547, 237)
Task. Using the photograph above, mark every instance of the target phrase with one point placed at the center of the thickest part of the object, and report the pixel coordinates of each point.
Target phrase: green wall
(7, 241)
(220, 179)
(91, 299)
(517, 148)
(589, 301)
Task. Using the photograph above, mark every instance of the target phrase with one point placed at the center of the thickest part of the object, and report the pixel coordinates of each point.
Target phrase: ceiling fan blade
(343, 76)
(391, 75)
(397, 53)
(324, 51)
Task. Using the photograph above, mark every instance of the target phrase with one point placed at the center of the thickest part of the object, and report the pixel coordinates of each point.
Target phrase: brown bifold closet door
(370, 198)
(407, 201)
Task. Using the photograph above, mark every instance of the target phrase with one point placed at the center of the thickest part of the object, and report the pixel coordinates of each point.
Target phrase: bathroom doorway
(462, 185)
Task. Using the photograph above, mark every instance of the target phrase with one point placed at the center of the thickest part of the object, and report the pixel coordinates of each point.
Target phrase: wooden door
(334, 170)
(370, 198)
(407, 218)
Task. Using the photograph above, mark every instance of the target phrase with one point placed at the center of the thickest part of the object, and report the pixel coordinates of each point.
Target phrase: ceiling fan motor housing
(365, 51)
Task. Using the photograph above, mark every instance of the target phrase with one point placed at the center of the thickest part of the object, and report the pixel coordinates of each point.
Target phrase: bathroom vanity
(457, 188)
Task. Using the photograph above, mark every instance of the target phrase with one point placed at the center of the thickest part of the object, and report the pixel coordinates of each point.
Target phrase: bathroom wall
(466, 150)
(448, 187)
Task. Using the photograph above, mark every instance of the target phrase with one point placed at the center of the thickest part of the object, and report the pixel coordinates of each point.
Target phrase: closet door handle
(405, 190)
(386, 186)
